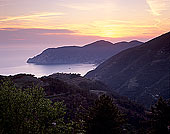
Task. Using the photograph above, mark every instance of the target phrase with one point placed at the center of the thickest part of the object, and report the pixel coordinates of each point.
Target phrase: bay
(14, 62)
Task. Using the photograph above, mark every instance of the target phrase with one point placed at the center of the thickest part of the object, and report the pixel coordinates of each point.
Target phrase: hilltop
(93, 53)
(141, 73)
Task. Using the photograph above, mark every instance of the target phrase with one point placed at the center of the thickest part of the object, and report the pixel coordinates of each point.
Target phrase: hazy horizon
(29, 27)
(60, 22)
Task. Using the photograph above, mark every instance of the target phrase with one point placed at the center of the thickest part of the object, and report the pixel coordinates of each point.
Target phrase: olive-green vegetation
(76, 91)
(29, 112)
(69, 103)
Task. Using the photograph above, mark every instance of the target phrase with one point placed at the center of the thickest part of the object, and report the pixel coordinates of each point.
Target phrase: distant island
(94, 53)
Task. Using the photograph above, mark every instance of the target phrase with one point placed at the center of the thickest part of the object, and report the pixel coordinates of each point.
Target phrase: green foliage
(104, 117)
(160, 117)
(28, 111)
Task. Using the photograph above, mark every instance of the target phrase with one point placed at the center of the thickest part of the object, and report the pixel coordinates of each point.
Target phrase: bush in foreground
(28, 111)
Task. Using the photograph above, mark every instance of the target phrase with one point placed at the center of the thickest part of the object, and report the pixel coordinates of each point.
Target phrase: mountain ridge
(93, 53)
(141, 73)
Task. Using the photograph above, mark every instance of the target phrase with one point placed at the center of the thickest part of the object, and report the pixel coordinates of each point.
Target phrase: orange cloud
(30, 17)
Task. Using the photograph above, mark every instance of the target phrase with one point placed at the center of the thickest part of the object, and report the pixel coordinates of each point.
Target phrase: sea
(13, 61)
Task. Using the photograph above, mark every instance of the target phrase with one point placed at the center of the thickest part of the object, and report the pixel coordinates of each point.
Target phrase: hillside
(94, 53)
(142, 73)
(76, 91)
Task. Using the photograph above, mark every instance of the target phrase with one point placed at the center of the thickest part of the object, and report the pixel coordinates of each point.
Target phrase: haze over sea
(13, 61)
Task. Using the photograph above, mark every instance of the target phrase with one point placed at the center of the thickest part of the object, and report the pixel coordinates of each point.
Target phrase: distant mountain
(94, 53)
(142, 73)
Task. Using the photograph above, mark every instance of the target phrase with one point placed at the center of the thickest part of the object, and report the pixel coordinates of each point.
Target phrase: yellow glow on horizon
(103, 27)
(110, 28)
(116, 29)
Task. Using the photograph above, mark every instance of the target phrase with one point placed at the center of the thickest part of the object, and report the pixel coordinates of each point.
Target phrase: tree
(28, 111)
(160, 117)
(104, 117)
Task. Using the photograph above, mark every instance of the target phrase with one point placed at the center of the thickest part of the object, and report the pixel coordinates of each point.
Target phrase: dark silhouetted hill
(94, 53)
(142, 73)
(76, 91)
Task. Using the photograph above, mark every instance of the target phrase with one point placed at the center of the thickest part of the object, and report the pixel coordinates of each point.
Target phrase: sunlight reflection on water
(14, 62)
(41, 70)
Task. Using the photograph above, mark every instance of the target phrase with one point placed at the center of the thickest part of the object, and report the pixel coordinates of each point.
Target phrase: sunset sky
(77, 22)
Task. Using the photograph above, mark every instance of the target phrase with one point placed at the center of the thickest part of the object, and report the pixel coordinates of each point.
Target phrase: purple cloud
(32, 35)
(41, 36)
(48, 37)
(36, 30)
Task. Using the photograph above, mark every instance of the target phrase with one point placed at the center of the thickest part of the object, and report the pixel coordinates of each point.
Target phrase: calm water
(14, 62)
